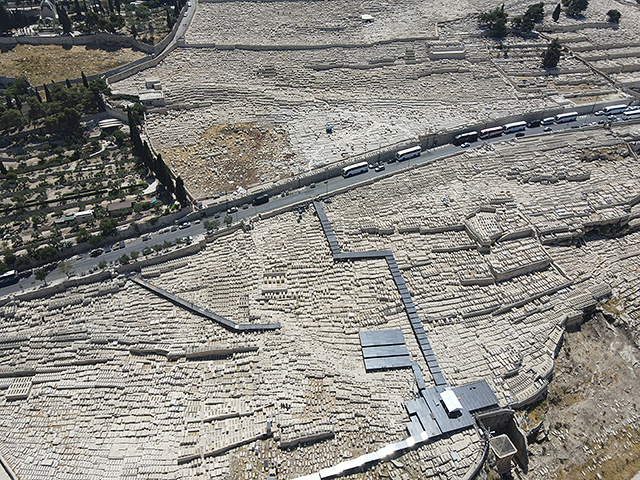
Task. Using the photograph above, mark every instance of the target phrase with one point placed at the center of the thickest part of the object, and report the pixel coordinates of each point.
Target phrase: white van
(547, 121)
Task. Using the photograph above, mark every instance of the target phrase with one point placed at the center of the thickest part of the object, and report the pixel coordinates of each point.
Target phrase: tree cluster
(62, 110)
(574, 8)
(142, 150)
(496, 20)
(10, 20)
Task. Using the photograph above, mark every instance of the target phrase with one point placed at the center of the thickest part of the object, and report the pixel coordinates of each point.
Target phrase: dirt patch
(41, 64)
(231, 156)
(589, 427)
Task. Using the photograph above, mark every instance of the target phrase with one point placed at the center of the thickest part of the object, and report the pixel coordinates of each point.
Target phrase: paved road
(306, 192)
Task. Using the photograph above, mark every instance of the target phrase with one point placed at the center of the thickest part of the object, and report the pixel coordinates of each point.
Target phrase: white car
(465, 145)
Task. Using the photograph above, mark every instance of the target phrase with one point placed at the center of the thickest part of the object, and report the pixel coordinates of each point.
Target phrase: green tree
(521, 23)
(65, 21)
(41, 275)
(181, 192)
(85, 82)
(551, 56)
(496, 21)
(575, 7)
(134, 255)
(211, 225)
(9, 257)
(614, 16)
(228, 220)
(12, 119)
(95, 240)
(83, 235)
(65, 268)
(108, 226)
(124, 259)
(535, 12)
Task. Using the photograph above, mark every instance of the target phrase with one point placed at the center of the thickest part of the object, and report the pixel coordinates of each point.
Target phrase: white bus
(491, 132)
(514, 127)
(631, 112)
(355, 169)
(614, 109)
(408, 153)
(566, 117)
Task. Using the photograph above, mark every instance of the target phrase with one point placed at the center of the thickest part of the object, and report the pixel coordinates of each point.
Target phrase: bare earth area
(41, 64)
(228, 157)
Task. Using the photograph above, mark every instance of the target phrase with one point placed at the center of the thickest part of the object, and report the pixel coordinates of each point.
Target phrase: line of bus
(467, 137)
(566, 117)
(491, 132)
(408, 153)
(8, 278)
(355, 169)
(514, 127)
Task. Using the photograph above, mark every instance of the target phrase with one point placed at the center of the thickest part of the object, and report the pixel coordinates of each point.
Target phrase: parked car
(231, 210)
(379, 168)
(533, 124)
(96, 253)
(184, 225)
(520, 134)
(465, 145)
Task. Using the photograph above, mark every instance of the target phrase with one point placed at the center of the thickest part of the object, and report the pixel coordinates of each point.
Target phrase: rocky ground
(587, 426)
(228, 157)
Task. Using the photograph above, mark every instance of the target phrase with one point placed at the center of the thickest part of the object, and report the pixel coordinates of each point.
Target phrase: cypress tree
(85, 82)
(47, 93)
(68, 82)
(556, 13)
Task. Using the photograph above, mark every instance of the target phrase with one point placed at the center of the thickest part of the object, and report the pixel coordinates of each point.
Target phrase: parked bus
(408, 153)
(9, 278)
(465, 137)
(632, 112)
(567, 117)
(614, 109)
(355, 169)
(260, 199)
(515, 127)
(490, 132)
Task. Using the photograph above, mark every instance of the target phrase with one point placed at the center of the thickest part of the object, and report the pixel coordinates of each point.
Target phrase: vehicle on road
(408, 153)
(174, 228)
(197, 222)
(466, 137)
(245, 206)
(146, 237)
(313, 185)
(465, 145)
(96, 253)
(548, 121)
(520, 134)
(566, 117)
(122, 244)
(260, 199)
(379, 168)
(614, 109)
(9, 278)
(548, 129)
(533, 124)
(491, 132)
(231, 210)
(184, 225)
(354, 169)
(515, 127)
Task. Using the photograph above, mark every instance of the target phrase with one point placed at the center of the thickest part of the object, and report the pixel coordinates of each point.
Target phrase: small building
(117, 209)
(152, 83)
(84, 216)
(451, 402)
(110, 124)
(152, 98)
